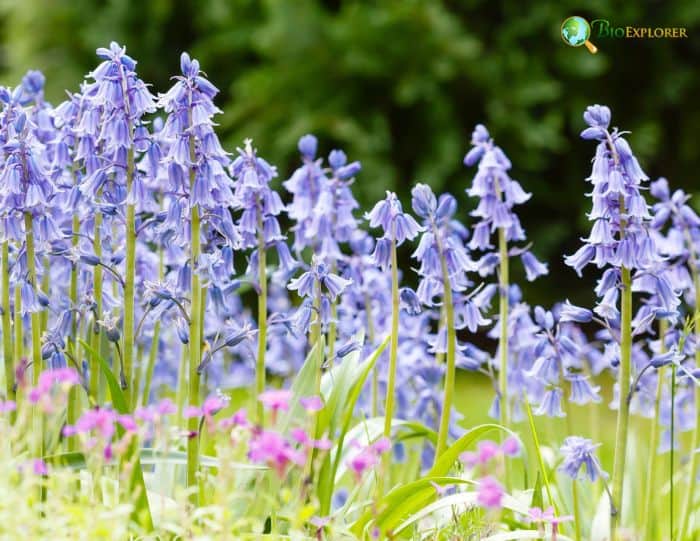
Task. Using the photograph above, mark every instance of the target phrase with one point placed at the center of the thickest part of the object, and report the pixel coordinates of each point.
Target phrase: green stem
(391, 377)
(195, 338)
(7, 325)
(96, 331)
(577, 513)
(36, 327)
(19, 332)
(128, 350)
(574, 486)
(649, 518)
(73, 400)
(332, 333)
(45, 287)
(503, 314)
(624, 406)
(538, 452)
(153, 352)
(180, 393)
(693, 466)
(262, 321)
(394, 346)
(504, 284)
(450, 368)
(370, 338)
(672, 461)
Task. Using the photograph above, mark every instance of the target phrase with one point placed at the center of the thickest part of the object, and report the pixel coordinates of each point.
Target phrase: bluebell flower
(580, 452)
(397, 225)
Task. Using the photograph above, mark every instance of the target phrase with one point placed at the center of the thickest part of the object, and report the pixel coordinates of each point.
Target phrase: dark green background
(400, 84)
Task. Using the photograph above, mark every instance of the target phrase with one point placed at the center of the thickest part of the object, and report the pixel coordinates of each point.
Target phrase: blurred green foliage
(399, 84)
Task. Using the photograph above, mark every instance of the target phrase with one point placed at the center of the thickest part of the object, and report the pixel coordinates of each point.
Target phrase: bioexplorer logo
(577, 31)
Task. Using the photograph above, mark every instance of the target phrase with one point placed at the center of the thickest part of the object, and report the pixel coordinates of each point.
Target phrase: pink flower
(128, 423)
(490, 493)
(323, 444)
(213, 405)
(320, 522)
(469, 459)
(153, 413)
(41, 394)
(95, 420)
(511, 446)
(382, 445)
(192, 411)
(7, 406)
(276, 399)
(269, 447)
(240, 418)
(363, 461)
(368, 457)
(487, 450)
(547, 516)
(40, 467)
(299, 435)
(311, 404)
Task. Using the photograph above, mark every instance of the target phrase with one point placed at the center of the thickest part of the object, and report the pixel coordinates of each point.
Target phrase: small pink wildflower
(276, 399)
(537, 515)
(240, 418)
(368, 457)
(490, 493)
(487, 450)
(41, 394)
(311, 404)
(7, 406)
(271, 448)
(40, 467)
(511, 446)
(469, 459)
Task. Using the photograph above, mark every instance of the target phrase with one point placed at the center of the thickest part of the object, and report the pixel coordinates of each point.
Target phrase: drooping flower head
(579, 452)
(498, 195)
(397, 226)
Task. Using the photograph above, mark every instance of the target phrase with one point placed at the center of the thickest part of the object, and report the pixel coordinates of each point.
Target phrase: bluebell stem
(677, 233)
(444, 263)
(120, 100)
(198, 162)
(26, 191)
(619, 240)
(398, 227)
(259, 228)
(498, 195)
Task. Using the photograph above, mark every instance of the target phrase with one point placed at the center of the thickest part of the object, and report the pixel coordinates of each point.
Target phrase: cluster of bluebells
(498, 194)
(113, 151)
(620, 235)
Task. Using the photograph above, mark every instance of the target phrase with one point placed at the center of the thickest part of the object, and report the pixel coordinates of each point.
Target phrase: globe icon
(575, 31)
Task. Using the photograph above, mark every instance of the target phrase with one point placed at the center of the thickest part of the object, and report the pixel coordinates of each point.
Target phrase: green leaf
(327, 474)
(537, 492)
(401, 502)
(461, 500)
(516, 535)
(445, 462)
(370, 430)
(304, 385)
(405, 500)
(142, 511)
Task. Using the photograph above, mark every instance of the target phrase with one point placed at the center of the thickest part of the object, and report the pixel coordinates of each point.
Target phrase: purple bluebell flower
(580, 452)
(397, 225)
